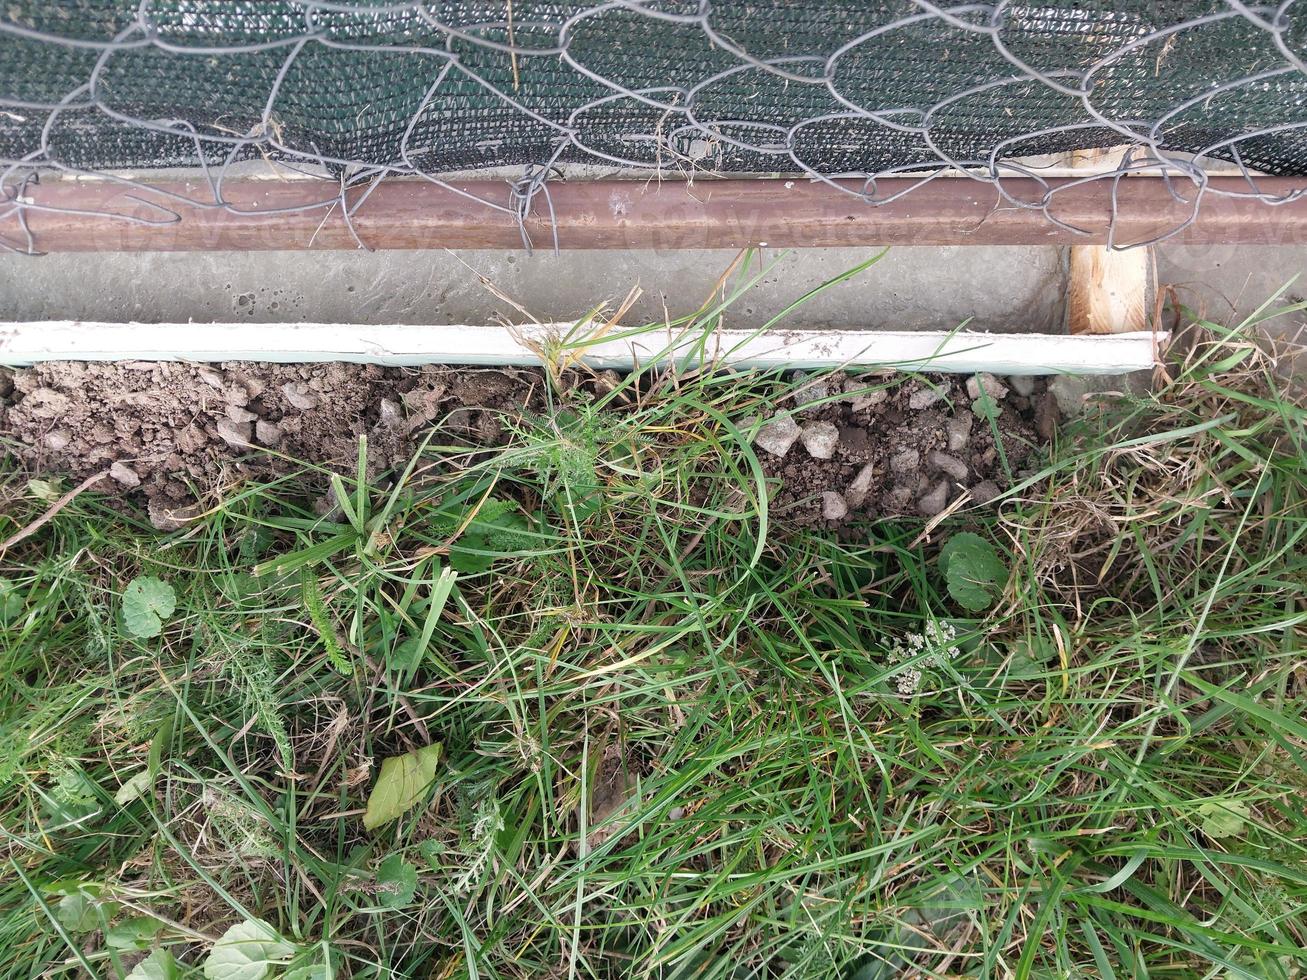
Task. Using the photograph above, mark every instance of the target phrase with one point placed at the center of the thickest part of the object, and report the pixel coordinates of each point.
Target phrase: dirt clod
(988, 384)
(297, 394)
(935, 500)
(985, 491)
(951, 465)
(267, 433)
(856, 494)
(905, 462)
(234, 434)
(959, 432)
(124, 474)
(58, 440)
(1022, 384)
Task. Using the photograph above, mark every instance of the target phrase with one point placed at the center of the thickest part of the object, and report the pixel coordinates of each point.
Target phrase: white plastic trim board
(409, 344)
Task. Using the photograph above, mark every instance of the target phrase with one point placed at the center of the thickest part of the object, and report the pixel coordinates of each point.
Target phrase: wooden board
(1108, 290)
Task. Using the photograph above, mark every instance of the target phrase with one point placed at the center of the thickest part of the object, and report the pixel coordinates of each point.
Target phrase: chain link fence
(358, 92)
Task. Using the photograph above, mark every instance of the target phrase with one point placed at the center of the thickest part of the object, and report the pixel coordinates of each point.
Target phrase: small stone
(951, 465)
(253, 385)
(170, 515)
(210, 377)
(1071, 391)
(959, 432)
(924, 398)
(870, 400)
(58, 440)
(820, 439)
(239, 415)
(268, 433)
(1022, 384)
(235, 395)
(984, 492)
(297, 393)
(778, 435)
(856, 494)
(235, 434)
(905, 462)
(813, 391)
(124, 474)
(987, 383)
(934, 501)
(833, 506)
(898, 499)
(390, 415)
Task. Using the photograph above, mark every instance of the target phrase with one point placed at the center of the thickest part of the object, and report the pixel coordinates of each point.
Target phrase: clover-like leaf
(1223, 818)
(76, 913)
(147, 602)
(973, 570)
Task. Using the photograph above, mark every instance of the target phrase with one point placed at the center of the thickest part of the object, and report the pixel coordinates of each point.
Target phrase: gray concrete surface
(1008, 289)
(1227, 283)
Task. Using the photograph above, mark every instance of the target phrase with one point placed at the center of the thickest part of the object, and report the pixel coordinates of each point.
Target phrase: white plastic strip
(408, 344)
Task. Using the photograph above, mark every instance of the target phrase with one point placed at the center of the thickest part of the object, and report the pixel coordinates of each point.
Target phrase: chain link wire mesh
(358, 92)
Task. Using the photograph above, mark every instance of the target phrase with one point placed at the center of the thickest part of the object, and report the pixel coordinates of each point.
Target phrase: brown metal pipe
(414, 214)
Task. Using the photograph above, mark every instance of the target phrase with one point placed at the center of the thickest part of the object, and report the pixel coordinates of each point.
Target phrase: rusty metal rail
(260, 214)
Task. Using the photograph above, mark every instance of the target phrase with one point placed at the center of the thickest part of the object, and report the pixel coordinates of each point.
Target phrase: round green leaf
(147, 602)
(247, 951)
(159, 965)
(11, 602)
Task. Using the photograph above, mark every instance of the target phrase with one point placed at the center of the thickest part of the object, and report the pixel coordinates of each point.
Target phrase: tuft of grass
(679, 739)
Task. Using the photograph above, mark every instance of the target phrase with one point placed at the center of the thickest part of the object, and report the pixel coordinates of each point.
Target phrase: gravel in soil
(843, 447)
(862, 446)
(168, 430)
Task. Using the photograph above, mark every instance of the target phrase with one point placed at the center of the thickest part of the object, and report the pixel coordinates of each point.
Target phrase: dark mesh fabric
(820, 86)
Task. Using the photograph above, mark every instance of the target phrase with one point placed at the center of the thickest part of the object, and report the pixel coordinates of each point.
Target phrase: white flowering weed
(925, 651)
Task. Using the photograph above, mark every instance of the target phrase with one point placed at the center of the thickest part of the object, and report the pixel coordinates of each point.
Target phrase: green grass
(678, 739)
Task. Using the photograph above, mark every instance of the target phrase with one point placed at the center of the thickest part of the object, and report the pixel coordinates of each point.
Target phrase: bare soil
(172, 432)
